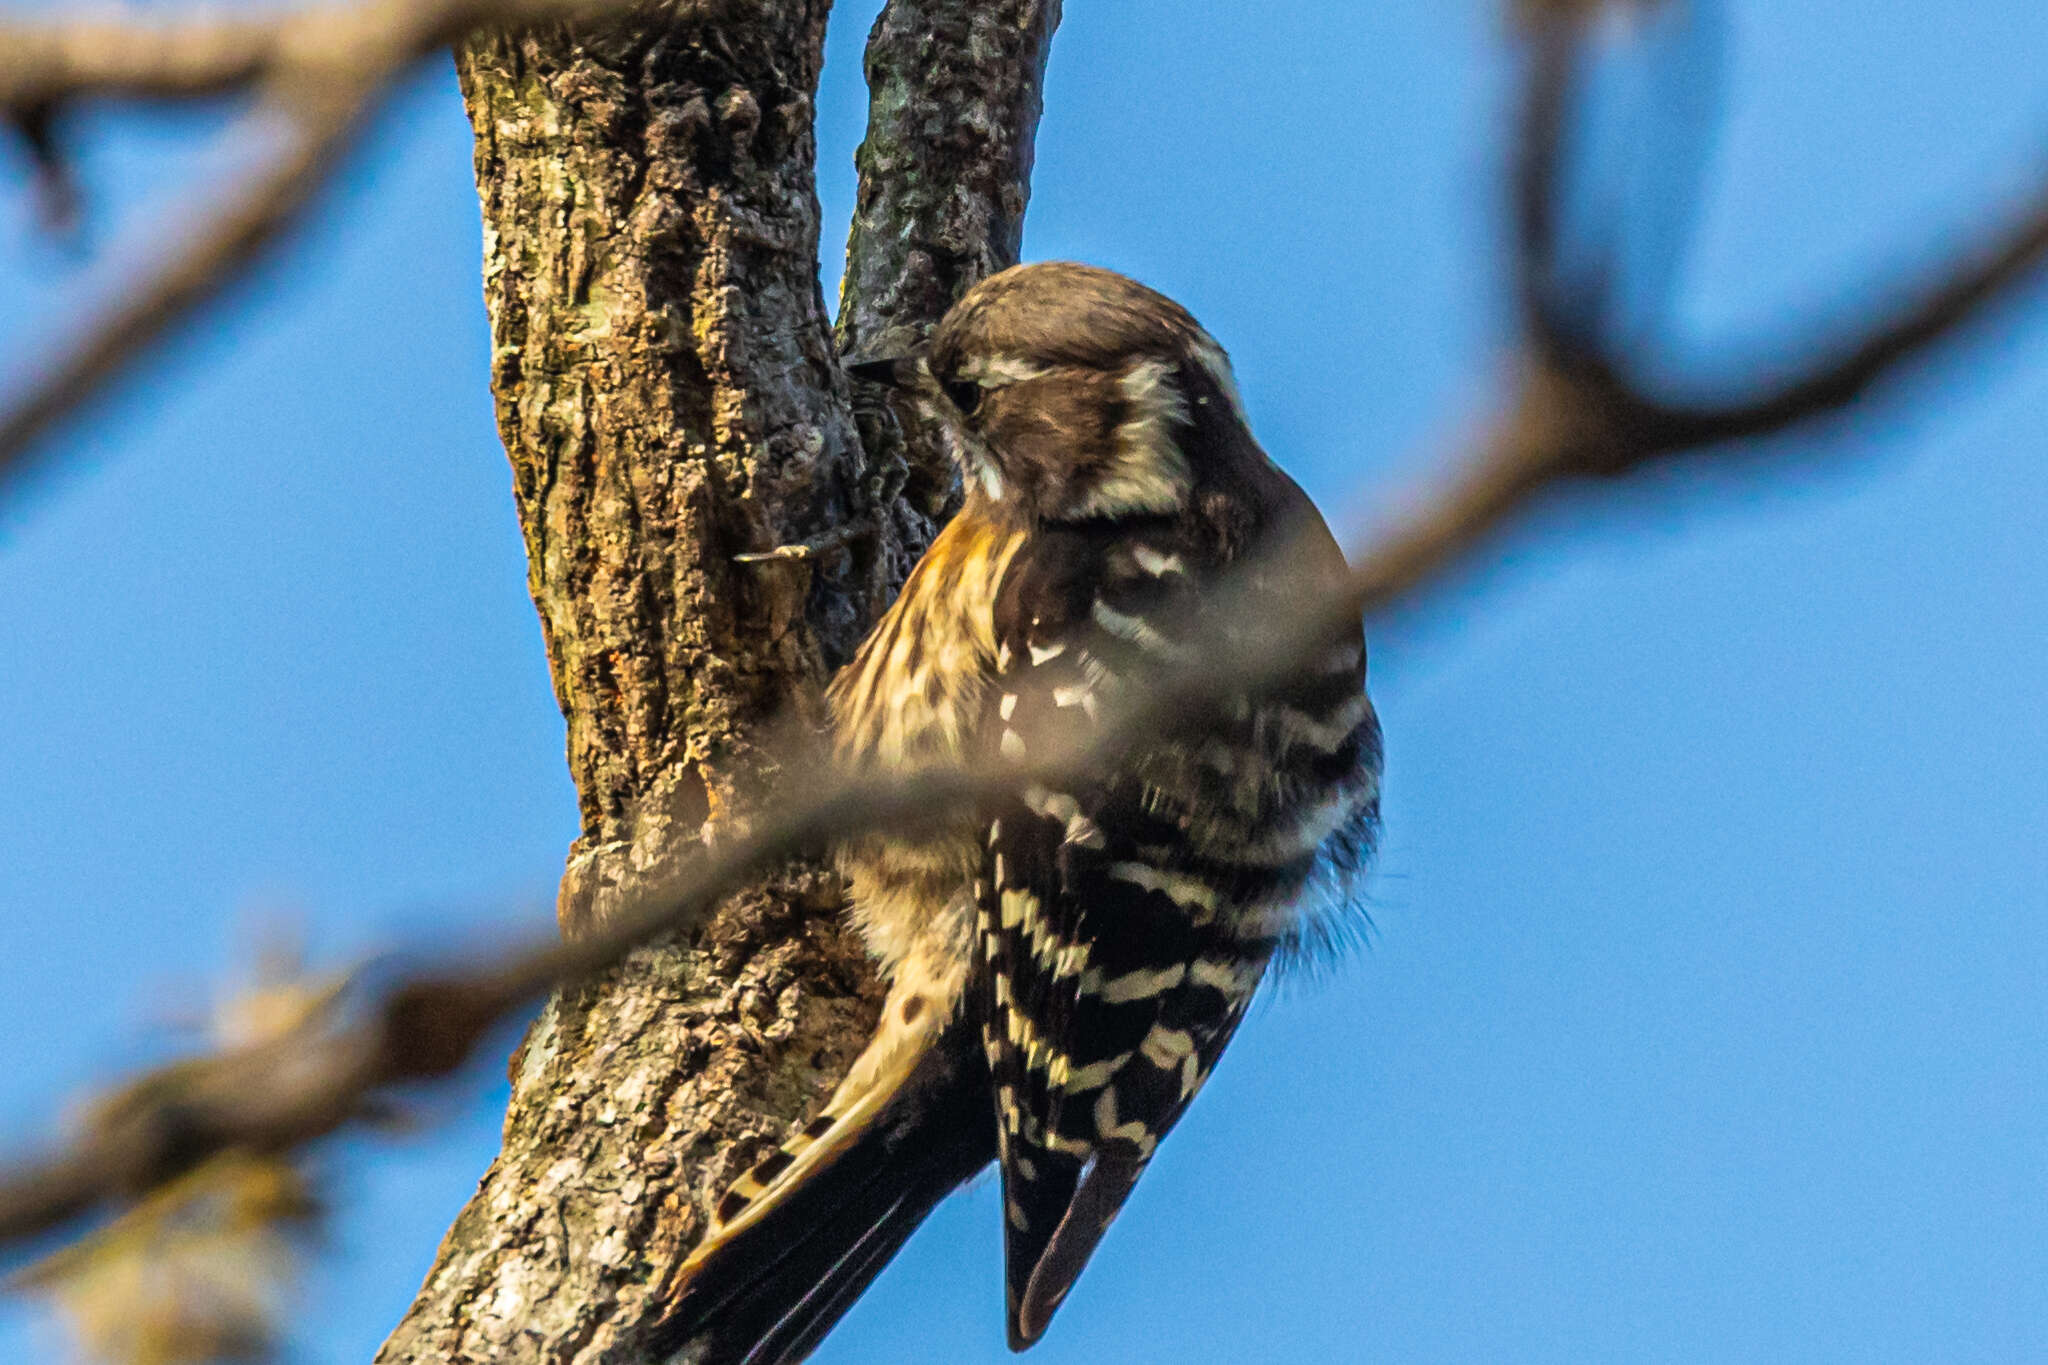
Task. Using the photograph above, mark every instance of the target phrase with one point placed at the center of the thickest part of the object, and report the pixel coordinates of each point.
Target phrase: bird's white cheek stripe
(995, 371)
(1211, 358)
(1147, 473)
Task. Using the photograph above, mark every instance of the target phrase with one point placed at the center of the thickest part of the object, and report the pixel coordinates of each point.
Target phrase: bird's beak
(893, 371)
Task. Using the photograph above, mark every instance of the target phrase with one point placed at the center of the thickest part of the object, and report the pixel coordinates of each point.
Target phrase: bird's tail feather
(1095, 1205)
(768, 1284)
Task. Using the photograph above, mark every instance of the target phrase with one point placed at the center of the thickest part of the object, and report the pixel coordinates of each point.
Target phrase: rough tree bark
(668, 395)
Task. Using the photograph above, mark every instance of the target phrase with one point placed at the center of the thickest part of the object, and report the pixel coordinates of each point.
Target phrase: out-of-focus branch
(319, 1076)
(52, 63)
(1583, 406)
(242, 220)
(314, 74)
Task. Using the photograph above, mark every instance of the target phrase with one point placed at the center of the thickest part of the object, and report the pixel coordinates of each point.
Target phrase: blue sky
(1702, 1017)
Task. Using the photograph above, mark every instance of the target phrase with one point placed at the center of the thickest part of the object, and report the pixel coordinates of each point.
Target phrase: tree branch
(955, 92)
(941, 201)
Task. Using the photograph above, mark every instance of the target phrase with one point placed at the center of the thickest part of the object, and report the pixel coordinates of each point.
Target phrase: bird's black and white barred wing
(1124, 924)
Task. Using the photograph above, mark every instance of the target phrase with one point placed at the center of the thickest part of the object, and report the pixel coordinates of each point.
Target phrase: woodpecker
(1064, 967)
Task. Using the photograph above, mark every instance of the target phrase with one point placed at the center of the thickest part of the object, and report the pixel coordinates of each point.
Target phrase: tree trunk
(669, 398)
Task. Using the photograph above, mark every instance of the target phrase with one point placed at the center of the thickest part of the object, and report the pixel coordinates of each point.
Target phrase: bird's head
(1073, 393)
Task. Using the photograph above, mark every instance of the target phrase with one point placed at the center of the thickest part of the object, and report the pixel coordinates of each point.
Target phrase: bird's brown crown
(1077, 393)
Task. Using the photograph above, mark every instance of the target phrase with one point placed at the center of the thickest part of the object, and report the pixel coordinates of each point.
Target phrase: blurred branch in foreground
(1584, 408)
(314, 75)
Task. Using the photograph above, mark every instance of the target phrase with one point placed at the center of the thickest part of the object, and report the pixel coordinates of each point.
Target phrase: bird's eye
(964, 394)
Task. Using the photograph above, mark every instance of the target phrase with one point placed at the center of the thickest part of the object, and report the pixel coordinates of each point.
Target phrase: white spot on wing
(1289, 842)
(1234, 978)
(1164, 1047)
(1108, 1129)
(1139, 633)
(1155, 563)
(1189, 892)
(1094, 1074)
(1327, 734)
(1085, 833)
(1142, 984)
(1065, 809)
